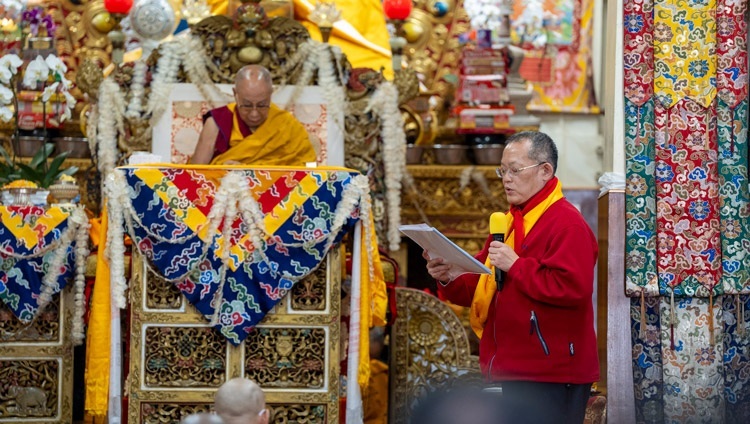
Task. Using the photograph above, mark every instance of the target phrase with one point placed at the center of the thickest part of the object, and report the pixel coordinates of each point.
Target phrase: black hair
(543, 149)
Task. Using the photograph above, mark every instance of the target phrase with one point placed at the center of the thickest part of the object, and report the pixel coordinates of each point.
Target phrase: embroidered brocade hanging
(276, 225)
(640, 187)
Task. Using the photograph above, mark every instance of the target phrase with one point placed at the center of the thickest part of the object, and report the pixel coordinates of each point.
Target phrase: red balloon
(397, 9)
(118, 6)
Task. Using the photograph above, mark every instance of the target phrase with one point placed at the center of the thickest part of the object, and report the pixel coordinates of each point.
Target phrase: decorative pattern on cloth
(697, 381)
(31, 238)
(648, 384)
(731, 30)
(238, 237)
(736, 357)
(687, 202)
(638, 46)
(734, 197)
(640, 201)
(685, 51)
(693, 383)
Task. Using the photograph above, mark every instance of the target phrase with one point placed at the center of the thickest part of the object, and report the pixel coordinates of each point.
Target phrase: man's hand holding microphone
(501, 255)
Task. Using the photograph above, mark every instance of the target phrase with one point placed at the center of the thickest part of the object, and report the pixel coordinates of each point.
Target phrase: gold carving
(460, 211)
(168, 413)
(286, 357)
(434, 48)
(250, 38)
(297, 414)
(45, 328)
(279, 353)
(161, 294)
(430, 349)
(29, 388)
(184, 357)
(310, 293)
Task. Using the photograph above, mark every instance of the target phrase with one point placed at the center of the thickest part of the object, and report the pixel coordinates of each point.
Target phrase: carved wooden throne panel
(36, 365)
(429, 348)
(178, 361)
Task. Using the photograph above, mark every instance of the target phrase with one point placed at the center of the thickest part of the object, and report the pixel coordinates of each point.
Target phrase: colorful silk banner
(731, 30)
(734, 198)
(640, 201)
(30, 238)
(238, 238)
(687, 201)
(685, 51)
(638, 47)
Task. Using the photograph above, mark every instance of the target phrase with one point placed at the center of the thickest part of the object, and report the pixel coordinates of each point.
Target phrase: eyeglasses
(260, 107)
(513, 172)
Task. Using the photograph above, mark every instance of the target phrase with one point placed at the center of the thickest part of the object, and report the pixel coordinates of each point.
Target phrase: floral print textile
(687, 201)
(685, 51)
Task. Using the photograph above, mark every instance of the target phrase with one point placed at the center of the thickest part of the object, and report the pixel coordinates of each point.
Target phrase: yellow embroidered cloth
(685, 51)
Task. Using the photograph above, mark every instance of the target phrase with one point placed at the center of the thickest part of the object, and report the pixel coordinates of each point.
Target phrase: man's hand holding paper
(440, 270)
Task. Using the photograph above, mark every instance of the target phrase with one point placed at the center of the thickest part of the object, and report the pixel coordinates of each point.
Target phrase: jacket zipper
(535, 327)
(494, 339)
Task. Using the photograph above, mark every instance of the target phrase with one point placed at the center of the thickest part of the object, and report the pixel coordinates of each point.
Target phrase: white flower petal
(36, 71)
(6, 114)
(56, 65)
(49, 91)
(6, 95)
(5, 75)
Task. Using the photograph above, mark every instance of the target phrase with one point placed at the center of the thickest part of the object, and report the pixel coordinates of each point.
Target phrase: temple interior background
(413, 99)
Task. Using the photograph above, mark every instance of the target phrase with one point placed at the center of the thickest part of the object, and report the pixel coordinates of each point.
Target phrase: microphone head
(498, 223)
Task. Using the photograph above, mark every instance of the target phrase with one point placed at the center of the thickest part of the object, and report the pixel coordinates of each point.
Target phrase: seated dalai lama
(253, 131)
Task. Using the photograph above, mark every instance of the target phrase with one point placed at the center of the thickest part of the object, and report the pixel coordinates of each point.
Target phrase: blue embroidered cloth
(293, 226)
(29, 237)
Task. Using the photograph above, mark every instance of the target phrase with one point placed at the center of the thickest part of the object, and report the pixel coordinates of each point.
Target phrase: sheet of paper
(438, 245)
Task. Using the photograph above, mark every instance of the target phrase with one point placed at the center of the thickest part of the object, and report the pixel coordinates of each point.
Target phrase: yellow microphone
(498, 229)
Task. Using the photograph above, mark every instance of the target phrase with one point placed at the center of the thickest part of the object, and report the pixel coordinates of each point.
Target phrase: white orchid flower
(70, 101)
(49, 91)
(11, 61)
(66, 84)
(36, 71)
(66, 114)
(5, 75)
(56, 66)
(6, 95)
(6, 114)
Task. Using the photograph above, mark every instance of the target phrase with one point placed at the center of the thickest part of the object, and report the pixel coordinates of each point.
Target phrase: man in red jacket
(537, 329)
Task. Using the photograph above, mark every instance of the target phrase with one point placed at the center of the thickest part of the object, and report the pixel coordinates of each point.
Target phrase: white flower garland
(328, 80)
(115, 249)
(78, 226)
(111, 108)
(165, 75)
(384, 102)
(137, 89)
(82, 252)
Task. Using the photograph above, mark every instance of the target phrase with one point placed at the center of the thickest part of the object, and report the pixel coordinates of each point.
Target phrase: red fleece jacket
(553, 282)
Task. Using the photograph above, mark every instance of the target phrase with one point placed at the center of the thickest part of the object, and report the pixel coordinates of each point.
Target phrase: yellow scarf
(486, 287)
(281, 140)
(98, 337)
